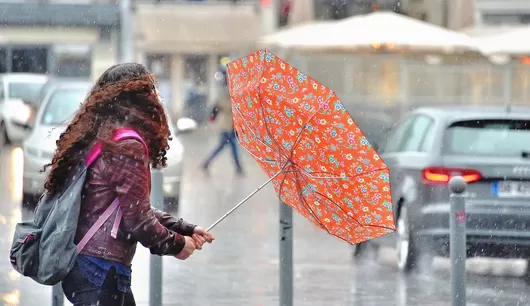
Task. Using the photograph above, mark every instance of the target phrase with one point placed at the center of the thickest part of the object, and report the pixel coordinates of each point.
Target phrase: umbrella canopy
(388, 30)
(320, 162)
(514, 42)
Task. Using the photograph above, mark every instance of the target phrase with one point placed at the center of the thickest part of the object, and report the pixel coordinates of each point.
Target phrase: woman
(124, 97)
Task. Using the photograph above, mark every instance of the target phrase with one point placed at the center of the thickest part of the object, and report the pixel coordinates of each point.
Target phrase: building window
(3, 60)
(159, 65)
(29, 59)
(73, 61)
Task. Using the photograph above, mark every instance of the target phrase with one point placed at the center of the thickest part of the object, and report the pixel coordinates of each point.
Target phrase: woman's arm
(130, 178)
(175, 224)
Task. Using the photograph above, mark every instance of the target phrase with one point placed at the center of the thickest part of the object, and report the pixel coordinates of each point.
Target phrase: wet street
(241, 267)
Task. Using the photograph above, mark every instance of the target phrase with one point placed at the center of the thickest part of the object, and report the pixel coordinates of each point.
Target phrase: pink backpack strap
(126, 133)
(97, 225)
(120, 134)
(95, 152)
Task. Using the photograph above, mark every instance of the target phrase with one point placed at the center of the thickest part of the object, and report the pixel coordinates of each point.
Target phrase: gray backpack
(44, 247)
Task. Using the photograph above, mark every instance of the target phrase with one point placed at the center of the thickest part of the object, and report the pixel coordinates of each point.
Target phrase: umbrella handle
(243, 201)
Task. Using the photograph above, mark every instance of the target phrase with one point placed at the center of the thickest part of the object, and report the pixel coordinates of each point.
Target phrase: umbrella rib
(310, 209)
(303, 201)
(300, 136)
(297, 141)
(327, 198)
(257, 138)
(340, 177)
(280, 150)
(351, 217)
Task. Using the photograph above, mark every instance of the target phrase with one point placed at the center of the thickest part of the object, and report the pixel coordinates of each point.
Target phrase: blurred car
(490, 148)
(374, 125)
(17, 91)
(57, 108)
(50, 84)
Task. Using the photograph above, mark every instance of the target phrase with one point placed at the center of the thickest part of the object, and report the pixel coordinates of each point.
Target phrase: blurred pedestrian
(222, 114)
(124, 98)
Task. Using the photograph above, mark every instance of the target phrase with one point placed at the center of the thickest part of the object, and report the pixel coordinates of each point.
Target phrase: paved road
(241, 267)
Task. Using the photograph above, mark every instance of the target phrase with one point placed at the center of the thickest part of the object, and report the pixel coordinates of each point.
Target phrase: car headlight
(24, 114)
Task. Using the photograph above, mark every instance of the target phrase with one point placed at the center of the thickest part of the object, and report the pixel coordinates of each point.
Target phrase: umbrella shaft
(243, 201)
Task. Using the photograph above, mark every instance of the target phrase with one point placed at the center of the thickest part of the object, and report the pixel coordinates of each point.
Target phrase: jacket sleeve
(129, 177)
(177, 225)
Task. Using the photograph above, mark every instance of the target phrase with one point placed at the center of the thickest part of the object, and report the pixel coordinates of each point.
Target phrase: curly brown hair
(124, 96)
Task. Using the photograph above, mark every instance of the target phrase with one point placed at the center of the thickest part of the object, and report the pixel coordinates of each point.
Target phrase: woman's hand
(188, 249)
(204, 234)
(198, 240)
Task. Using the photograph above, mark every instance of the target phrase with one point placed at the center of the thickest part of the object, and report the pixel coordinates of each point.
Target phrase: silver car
(17, 91)
(55, 111)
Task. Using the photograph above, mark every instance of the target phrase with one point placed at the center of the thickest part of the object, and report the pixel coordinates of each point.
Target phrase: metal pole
(269, 16)
(57, 295)
(404, 87)
(508, 80)
(126, 47)
(286, 255)
(458, 241)
(155, 264)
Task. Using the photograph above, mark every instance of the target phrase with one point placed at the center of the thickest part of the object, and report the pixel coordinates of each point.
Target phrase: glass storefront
(61, 60)
(72, 61)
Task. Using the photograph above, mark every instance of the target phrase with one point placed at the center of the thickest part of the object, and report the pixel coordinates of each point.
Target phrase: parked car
(50, 84)
(57, 108)
(17, 90)
(490, 148)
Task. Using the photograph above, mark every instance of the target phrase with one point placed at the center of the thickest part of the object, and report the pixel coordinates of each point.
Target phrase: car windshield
(488, 138)
(42, 94)
(62, 106)
(24, 90)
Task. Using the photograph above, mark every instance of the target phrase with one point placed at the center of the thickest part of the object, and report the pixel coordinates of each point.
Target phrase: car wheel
(358, 249)
(408, 252)
(364, 250)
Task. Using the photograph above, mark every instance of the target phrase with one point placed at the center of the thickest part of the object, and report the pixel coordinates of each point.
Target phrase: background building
(58, 38)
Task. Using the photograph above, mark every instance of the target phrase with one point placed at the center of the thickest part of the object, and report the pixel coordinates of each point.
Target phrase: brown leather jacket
(128, 179)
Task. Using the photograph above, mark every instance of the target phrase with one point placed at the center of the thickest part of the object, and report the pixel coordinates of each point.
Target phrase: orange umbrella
(318, 160)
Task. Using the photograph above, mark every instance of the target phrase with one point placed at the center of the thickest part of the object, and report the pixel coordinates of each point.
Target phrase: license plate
(511, 189)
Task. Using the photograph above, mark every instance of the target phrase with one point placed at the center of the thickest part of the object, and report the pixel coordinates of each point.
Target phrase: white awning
(373, 31)
(514, 42)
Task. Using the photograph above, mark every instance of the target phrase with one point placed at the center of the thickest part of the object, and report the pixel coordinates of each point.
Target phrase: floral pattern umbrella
(319, 161)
